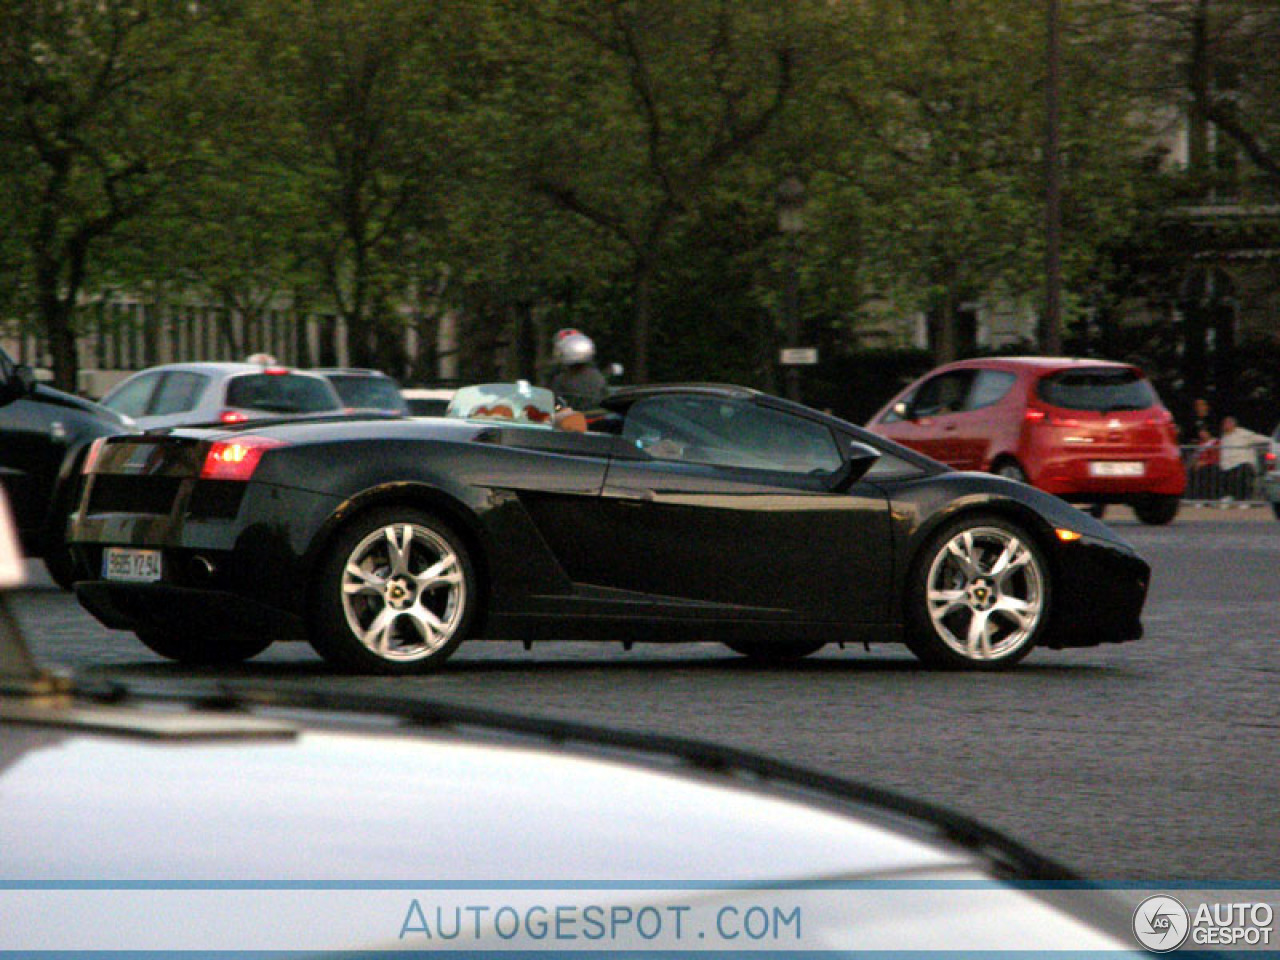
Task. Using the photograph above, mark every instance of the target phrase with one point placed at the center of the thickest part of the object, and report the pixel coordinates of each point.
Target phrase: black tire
(1275, 508)
(394, 613)
(1010, 470)
(773, 654)
(202, 649)
(61, 567)
(1157, 510)
(975, 591)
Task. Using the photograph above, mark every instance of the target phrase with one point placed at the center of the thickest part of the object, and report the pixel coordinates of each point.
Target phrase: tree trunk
(646, 274)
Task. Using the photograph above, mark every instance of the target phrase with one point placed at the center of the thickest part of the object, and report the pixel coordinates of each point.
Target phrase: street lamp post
(790, 200)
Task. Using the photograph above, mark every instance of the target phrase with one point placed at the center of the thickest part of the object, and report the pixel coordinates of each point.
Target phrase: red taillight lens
(235, 459)
(233, 416)
(1269, 460)
(1033, 415)
(91, 458)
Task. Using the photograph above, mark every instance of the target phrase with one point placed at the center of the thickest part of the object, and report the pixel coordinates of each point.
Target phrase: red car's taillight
(235, 459)
(1269, 460)
(233, 416)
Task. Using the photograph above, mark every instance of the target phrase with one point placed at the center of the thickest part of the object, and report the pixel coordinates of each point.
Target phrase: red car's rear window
(1097, 388)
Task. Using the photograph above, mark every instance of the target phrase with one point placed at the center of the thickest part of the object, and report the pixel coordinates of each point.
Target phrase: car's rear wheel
(396, 594)
(978, 596)
(1157, 509)
(203, 649)
(774, 653)
(60, 565)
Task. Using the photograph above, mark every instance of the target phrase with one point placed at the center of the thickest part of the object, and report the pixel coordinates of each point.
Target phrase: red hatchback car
(1089, 431)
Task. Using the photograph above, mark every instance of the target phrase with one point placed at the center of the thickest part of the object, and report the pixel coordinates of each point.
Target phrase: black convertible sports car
(693, 512)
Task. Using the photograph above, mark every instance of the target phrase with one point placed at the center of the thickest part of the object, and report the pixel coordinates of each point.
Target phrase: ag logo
(1161, 924)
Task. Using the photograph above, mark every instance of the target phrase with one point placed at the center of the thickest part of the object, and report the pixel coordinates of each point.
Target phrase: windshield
(280, 393)
(518, 402)
(1098, 388)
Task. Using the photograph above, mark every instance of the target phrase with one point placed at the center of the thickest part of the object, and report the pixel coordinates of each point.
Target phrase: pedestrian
(1201, 420)
(577, 381)
(1238, 453)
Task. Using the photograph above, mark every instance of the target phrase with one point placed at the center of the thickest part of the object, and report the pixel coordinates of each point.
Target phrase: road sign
(798, 356)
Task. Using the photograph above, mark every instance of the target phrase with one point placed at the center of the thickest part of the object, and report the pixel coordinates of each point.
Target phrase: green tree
(369, 100)
(945, 174)
(91, 130)
(639, 105)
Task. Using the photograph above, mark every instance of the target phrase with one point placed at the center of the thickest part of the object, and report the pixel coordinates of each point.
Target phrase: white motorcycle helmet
(573, 347)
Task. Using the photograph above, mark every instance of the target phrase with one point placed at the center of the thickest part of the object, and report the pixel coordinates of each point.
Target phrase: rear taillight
(233, 416)
(1033, 415)
(1269, 460)
(91, 458)
(235, 459)
(1165, 419)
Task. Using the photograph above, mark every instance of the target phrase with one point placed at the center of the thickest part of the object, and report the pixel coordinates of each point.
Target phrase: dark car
(43, 436)
(687, 513)
(1089, 431)
(366, 390)
(252, 823)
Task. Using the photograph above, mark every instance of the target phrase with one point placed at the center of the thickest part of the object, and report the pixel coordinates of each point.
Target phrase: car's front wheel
(203, 649)
(774, 653)
(978, 596)
(396, 594)
(1156, 509)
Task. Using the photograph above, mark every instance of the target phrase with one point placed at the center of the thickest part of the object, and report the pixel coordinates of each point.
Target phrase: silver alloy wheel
(985, 593)
(403, 592)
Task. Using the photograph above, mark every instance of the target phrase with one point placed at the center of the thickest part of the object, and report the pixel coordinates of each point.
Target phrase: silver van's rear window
(1098, 388)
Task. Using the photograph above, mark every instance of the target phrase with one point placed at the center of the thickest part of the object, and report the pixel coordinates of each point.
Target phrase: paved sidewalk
(1252, 511)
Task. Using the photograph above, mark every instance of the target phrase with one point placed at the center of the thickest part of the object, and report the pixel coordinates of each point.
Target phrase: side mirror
(858, 459)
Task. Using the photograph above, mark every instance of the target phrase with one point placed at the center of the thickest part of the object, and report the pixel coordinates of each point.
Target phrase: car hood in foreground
(324, 806)
(103, 795)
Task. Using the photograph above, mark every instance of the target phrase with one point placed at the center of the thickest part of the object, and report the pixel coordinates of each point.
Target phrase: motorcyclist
(577, 381)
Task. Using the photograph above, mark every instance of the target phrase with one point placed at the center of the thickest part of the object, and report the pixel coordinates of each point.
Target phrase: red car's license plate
(1116, 468)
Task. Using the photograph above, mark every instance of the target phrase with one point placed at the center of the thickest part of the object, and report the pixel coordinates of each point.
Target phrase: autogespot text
(563, 923)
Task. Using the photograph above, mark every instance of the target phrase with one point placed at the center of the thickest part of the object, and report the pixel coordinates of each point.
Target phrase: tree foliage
(609, 164)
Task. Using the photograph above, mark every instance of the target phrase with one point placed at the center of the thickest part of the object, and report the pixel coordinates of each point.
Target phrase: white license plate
(135, 566)
(1117, 468)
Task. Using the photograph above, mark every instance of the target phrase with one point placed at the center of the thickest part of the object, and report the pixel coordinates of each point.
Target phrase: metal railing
(1222, 475)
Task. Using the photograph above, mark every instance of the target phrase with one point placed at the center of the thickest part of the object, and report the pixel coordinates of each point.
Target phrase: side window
(990, 386)
(179, 392)
(942, 394)
(730, 433)
(133, 397)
